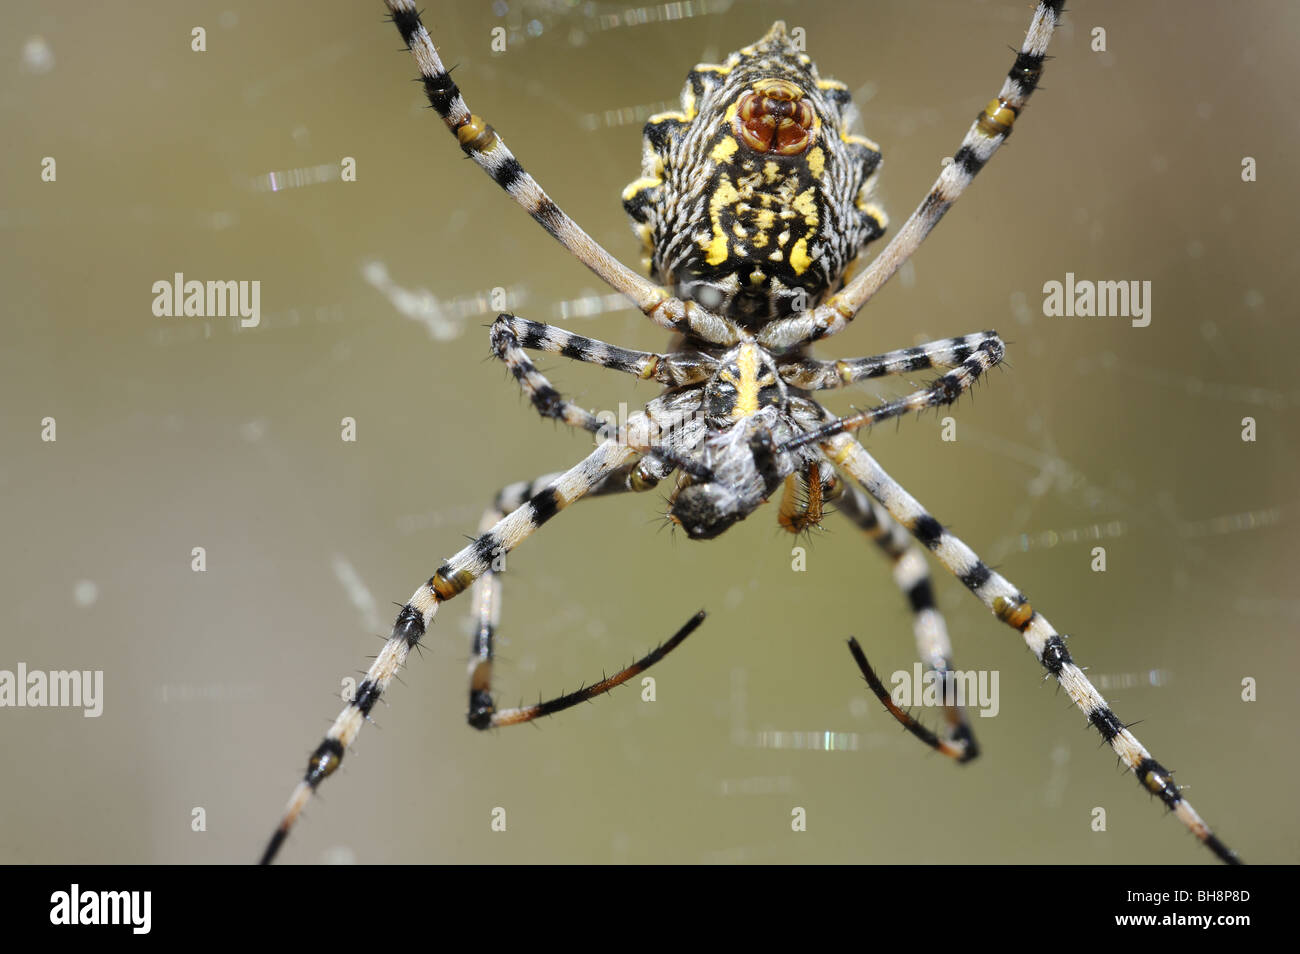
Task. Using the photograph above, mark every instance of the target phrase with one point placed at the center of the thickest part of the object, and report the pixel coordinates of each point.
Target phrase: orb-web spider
(753, 202)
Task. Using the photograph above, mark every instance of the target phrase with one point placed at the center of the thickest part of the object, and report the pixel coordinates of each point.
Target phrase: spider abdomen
(755, 197)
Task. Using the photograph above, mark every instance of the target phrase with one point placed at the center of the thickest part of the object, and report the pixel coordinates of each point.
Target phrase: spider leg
(985, 135)
(932, 643)
(513, 334)
(943, 390)
(1012, 608)
(568, 700)
(482, 712)
(482, 144)
(451, 579)
(813, 375)
(799, 513)
(545, 398)
(952, 750)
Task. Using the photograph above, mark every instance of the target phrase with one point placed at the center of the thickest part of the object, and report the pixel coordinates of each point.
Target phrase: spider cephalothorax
(745, 381)
(755, 197)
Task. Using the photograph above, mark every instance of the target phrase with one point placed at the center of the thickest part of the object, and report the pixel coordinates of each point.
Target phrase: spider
(754, 200)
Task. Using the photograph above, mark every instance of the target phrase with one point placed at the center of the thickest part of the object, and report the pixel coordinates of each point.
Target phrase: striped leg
(452, 578)
(1012, 608)
(547, 400)
(487, 591)
(985, 135)
(813, 375)
(482, 144)
(932, 643)
(944, 390)
(513, 334)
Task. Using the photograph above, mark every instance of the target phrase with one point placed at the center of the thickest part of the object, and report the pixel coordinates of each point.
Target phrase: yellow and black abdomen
(755, 197)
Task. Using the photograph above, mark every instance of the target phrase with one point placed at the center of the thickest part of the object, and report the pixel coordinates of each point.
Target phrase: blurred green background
(180, 433)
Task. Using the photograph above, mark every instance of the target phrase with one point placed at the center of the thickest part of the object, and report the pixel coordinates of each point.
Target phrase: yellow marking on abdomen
(724, 150)
(816, 162)
(640, 185)
(799, 257)
(724, 195)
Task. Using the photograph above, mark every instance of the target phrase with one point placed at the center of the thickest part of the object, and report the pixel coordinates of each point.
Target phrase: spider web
(175, 434)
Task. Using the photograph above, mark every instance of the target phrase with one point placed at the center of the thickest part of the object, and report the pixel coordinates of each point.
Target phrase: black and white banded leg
(511, 335)
(912, 576)
(545, 398)
(811, 374)
(483, 713)
(481, 143)
(945, 389)
(450, 579)
(986, 134)
(1010, 606)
